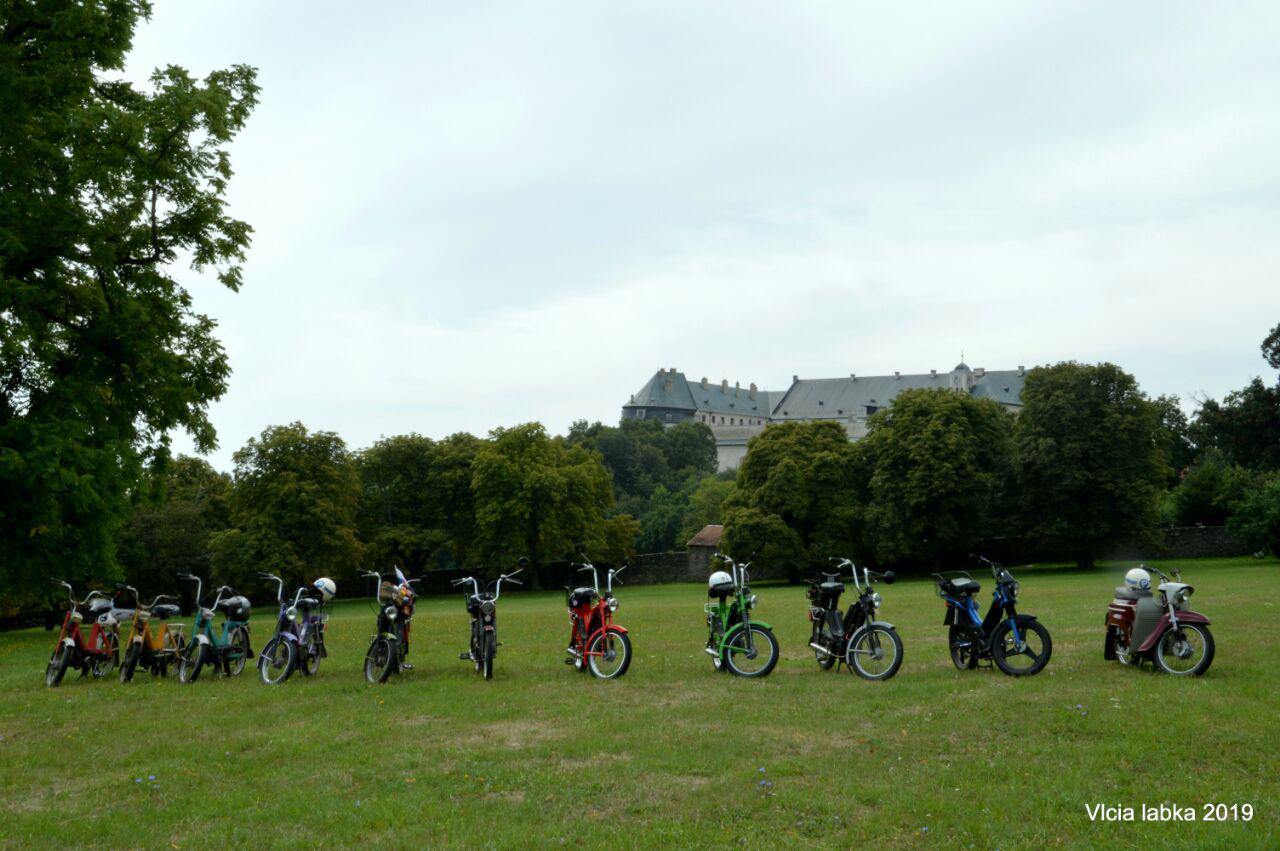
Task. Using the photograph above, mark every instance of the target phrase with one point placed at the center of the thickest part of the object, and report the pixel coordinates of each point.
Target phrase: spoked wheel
(754, 661)
(105, 662)
(237, 652)
(875, 653)
(192, 662)
(309, 652)
(609, 654)
(1026, 660)
(829, 658)
(380, 661)
(1186, 651)
(966, 647)
(277, 661)
(488, 647)
(58, 663)
(130, 662)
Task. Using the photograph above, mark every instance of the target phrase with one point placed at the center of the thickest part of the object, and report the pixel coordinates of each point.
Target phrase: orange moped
(154, 651)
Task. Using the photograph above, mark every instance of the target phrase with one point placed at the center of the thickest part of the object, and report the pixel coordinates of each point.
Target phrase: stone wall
(1189, 542)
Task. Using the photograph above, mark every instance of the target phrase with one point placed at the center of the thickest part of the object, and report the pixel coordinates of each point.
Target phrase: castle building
(737, 413)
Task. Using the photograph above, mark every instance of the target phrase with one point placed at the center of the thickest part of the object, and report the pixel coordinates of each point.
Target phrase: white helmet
(719, 578)
(326, 588)
(1138, 579)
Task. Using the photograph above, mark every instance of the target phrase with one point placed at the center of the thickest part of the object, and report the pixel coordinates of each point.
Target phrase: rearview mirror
(524, 561)
(889, 577)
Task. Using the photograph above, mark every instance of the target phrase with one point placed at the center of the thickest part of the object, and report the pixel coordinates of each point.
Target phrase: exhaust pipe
(711, 651)
(821, 649)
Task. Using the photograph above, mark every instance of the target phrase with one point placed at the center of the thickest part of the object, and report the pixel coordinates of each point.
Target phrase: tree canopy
(103, 188)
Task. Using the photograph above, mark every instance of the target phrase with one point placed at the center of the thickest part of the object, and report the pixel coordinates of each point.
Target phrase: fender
(137, 639)
(203, 639)
(1164, 624)
(1021, 619)
(737, 626)
(488, 627)
(884, 624)
(613, 627)
(69, 642)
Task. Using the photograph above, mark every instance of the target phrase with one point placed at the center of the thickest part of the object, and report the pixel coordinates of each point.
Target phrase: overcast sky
(470, 215)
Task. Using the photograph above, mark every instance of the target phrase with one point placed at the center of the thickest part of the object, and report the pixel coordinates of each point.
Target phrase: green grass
(671, 754)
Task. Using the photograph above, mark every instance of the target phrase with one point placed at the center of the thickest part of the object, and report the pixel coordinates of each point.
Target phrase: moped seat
(164, 611)
(1123, 593)
(721, 590)
(961, 585)
(831, 587)
(581, 596)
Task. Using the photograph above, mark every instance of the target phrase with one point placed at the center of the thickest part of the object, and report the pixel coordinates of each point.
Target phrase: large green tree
(794, 500)
(536, 497)
(104, 187)
(293, 509)
(1208, 493)
(1090, 459)
(939, 464)
(1256, 520)
(417, 500)
(1245, 426)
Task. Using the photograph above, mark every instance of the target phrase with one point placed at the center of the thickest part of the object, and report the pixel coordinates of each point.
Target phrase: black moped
(868, 647)
(482, 606)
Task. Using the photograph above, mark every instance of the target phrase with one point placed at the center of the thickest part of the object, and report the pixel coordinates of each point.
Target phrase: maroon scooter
(1157, 626)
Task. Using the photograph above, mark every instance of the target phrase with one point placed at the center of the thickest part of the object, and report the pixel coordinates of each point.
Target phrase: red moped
(98, 655)
(596, 643)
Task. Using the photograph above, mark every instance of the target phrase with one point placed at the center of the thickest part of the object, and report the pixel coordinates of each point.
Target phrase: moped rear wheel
(875, 653)
(1036, 649)
(965, 647)
(277, 661)
(58, 663)
(309, 653)
(130, 662)
(1186, 651)
(488, 647)
(609, 655)
(380, 661)
(742, 662)
(105, 662)
(237, 652)
(191, 662)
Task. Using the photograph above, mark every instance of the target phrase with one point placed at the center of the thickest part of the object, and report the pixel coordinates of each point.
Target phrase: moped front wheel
(130, 663)
(380, 661)
(755, 660)
(609, 655)
(1185, 651)
(276, 663)
(875, 653)
(192, 662)
(488, 647)
(1026, 660)
(58, 663)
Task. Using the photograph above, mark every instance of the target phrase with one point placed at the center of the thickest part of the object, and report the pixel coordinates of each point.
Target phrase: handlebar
(279, 585)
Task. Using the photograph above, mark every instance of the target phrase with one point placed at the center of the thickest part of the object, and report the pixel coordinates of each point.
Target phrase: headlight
(613, 604)
(876, 599)
(487, 607)
(1183, 595)
(292, 614)
(751, 601)
(390, 611)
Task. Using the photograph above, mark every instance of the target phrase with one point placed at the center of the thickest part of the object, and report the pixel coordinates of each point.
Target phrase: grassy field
(673, 754)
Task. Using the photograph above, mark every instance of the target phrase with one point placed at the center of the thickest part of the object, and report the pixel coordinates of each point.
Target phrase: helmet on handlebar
(719, 583)
(326, 587)
(1137, 579)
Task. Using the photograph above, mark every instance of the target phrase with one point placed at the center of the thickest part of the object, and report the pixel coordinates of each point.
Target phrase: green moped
(735, 642)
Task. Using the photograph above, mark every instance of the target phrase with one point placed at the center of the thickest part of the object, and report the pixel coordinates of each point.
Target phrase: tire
(237, 652)
(380, 661)
(1007, 659)
(192, 662)
(488, 647)
(601, 666)
(309, 652)
(1191, 634)
(277, 661)
(964, 658)
(825, 660)
(874, 653)
(102, 665)
(58, 663)
(738, 662)
(130, 663)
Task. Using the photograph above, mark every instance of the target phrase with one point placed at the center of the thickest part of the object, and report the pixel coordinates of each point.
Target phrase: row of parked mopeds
(1143, 624)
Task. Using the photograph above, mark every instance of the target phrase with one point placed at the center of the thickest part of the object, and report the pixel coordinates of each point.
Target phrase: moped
(735, 642)
(99, 654)
(154, 651)
(1159, 629)
(596, 643)
(389, 649)
(868, 647)
(482, 606)
(1018, 644)
(229, 648)
(299, 639)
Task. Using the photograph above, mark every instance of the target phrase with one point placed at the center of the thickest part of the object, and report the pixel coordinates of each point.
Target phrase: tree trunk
(1084, 561)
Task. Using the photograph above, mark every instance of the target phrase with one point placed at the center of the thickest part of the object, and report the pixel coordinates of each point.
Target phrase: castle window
(668, 418)
(871, 409)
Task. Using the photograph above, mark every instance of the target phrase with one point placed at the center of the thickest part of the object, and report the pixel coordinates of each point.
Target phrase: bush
(1257, 517)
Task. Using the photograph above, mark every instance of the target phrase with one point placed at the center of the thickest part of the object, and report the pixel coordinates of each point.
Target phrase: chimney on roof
(672, 370)
(753, 390)
(933, 373)
(1021, 370)
(794, 379)
(667, 384)
(979, 372)
(704, 382)
(736, 388)
(724, 385)
(853, 376)
(896, 375)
